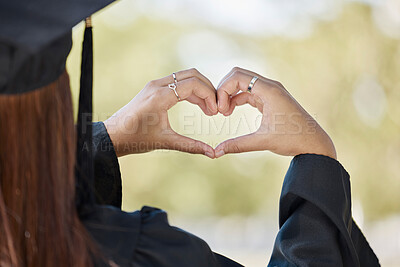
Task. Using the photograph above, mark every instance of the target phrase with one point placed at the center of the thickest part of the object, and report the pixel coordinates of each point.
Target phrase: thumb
(245, 143)
(185, 144)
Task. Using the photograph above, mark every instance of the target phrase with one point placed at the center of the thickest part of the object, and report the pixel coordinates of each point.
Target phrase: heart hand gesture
(286, 128)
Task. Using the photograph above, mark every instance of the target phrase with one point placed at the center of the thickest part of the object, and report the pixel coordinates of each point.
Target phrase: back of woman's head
(39, 225)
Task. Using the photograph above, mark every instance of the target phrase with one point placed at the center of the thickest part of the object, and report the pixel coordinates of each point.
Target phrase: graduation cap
(35, 40)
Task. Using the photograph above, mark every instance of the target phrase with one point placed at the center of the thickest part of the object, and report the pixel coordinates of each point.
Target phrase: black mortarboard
(35, 40)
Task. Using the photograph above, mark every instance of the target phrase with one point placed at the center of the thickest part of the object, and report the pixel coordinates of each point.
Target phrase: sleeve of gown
(315, 220)
(106, 168)
(160, 244)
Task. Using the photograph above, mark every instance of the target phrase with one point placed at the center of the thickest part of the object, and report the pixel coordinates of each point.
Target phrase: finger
(185, 144)
(194, 86)
(224, 78)
(245, 143)
(224, 96)
(251, 73)
(223, 100)
(183, 75)
(204, 92)
(238, 69)
(199, 102)
(239, 100)
(237, 81)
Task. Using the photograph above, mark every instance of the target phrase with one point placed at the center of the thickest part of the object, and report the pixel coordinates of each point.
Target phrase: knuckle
(236, 75)
(236, 69)
(151, 84)
(272, 86)
(193, 71)
(194, 81)
(278, 84)
(276, 92)
(197, 79)
(276, 88)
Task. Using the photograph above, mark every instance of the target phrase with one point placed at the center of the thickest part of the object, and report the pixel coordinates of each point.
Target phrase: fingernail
(219, 153)
(209, 154)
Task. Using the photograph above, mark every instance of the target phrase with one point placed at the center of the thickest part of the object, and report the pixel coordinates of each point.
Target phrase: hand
(142, 125)
(286, 128)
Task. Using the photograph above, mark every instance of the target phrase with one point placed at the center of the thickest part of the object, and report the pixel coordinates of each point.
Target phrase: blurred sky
(340, 59)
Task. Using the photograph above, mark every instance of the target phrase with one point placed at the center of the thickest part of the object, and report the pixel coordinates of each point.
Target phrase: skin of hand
(286, 128)
(142, 125)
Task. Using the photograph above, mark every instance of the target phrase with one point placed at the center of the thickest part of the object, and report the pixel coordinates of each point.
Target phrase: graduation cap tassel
(84, 164)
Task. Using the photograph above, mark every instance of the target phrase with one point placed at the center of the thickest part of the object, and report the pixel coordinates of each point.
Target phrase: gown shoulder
(145, 238)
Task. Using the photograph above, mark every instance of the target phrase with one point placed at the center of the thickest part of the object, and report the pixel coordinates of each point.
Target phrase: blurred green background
(339, 59)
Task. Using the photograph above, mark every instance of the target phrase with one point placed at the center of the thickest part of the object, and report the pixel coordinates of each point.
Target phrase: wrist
(325, 148)
(322, 144)
(127, 137)
(121, 138)
(112, 131)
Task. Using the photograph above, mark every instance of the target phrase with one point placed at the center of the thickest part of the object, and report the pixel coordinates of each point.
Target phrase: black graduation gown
(316, 226)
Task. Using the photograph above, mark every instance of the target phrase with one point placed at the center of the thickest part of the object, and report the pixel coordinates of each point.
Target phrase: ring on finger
(174, 76)
(251, 84)
(172, 86)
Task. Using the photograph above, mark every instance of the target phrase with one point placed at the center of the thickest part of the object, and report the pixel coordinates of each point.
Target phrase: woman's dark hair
(39, 225)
